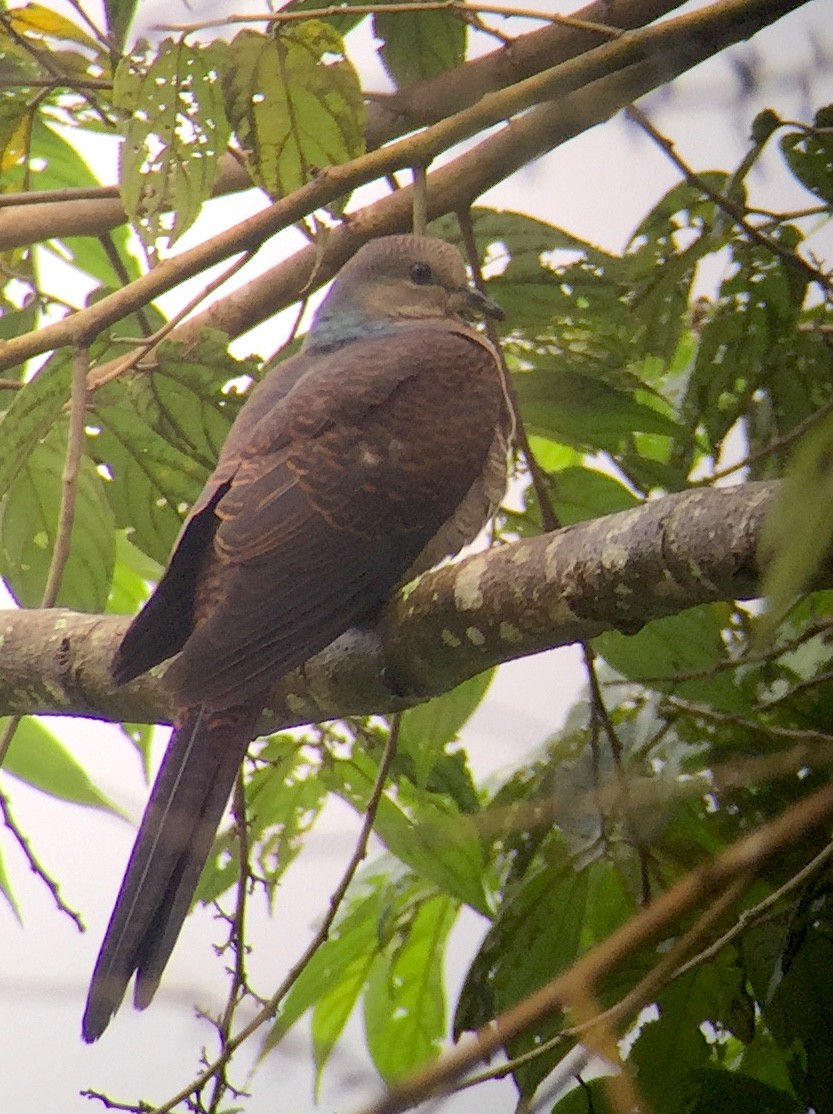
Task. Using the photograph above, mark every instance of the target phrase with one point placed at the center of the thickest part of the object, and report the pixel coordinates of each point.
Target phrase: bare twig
(267, 1013)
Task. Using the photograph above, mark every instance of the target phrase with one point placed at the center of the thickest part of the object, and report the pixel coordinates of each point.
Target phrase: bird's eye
(421, 274)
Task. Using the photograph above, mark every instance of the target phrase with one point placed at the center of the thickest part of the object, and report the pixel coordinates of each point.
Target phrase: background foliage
(691, 732)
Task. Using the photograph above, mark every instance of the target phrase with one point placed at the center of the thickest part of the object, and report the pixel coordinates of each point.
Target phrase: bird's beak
(469, 300)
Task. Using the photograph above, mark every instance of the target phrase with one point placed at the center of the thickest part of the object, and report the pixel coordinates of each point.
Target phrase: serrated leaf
(28, 530)
(404, 1002)
(36, 757)
(295, 102)
(417, 45)
(426, 729)
(175, 135)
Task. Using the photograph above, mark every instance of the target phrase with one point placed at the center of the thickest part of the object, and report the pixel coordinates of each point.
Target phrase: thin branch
(731, 870)
(738, 213)
(670, 48)
(69, 480)
(34, 863)
(267, 1013)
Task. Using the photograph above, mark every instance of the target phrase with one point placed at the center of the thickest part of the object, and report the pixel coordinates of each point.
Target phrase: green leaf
(153, 483)
(29, 524)
(535, 936)
(426, 729)
(185, 399)
(404, 1002)
(33, 412)
(798, 529)
(711, 1091)
(119, 15)
(417, 45)
(572, 407)
(582, 493)
(689, 643)
(36, 757)
(664, 1056)
(176, 132)
(333, 978)
(809, 155)
(424, 830)
(8, 893)
(295, 102)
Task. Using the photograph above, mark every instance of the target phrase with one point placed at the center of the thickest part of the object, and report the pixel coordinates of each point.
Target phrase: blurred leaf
(426, 729)
(664, 1056)
(575, 408)
(426, 831)
(119, 15)
(34, 410)
(29, 524)
(333, 979)
(534, 937)
(404, 1003)
(176, 132)
(295, 102)
(153, 484)
(8, 893)
(665, 652)
(36, 757)
(797, 532)
(711, 1091)
(40, 24)
(809, 155)
(420, 44)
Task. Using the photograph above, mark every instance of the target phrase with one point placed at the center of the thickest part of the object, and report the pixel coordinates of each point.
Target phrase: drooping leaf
(295, 103)
(29, 527)
(119, 15)
(176, 131)
(809, 155)
(426, 831)
(36, 757)
(404, 1003)
(419, 44)
(426, 729)
(798, 529)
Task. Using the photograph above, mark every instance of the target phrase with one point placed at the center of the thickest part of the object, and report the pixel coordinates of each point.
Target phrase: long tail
(174, 840)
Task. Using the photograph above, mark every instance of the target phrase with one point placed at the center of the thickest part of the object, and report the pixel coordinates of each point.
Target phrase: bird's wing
(335, 494)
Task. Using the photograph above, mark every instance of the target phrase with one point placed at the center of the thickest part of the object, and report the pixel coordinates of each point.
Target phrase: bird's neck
(330, 330)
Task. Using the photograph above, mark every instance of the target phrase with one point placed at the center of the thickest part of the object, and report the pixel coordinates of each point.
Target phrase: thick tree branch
(616, 572)
(570, 98)
(423, 103)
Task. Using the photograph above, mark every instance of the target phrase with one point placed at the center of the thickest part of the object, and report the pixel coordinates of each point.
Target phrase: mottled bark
(617, 572)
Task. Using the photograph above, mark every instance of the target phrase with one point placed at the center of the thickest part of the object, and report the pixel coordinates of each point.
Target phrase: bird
(375, 452)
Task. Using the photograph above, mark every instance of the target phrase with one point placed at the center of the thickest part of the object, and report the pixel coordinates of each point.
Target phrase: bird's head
(395, 279)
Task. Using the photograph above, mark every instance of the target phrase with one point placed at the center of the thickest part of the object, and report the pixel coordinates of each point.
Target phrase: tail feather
(173, 843)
